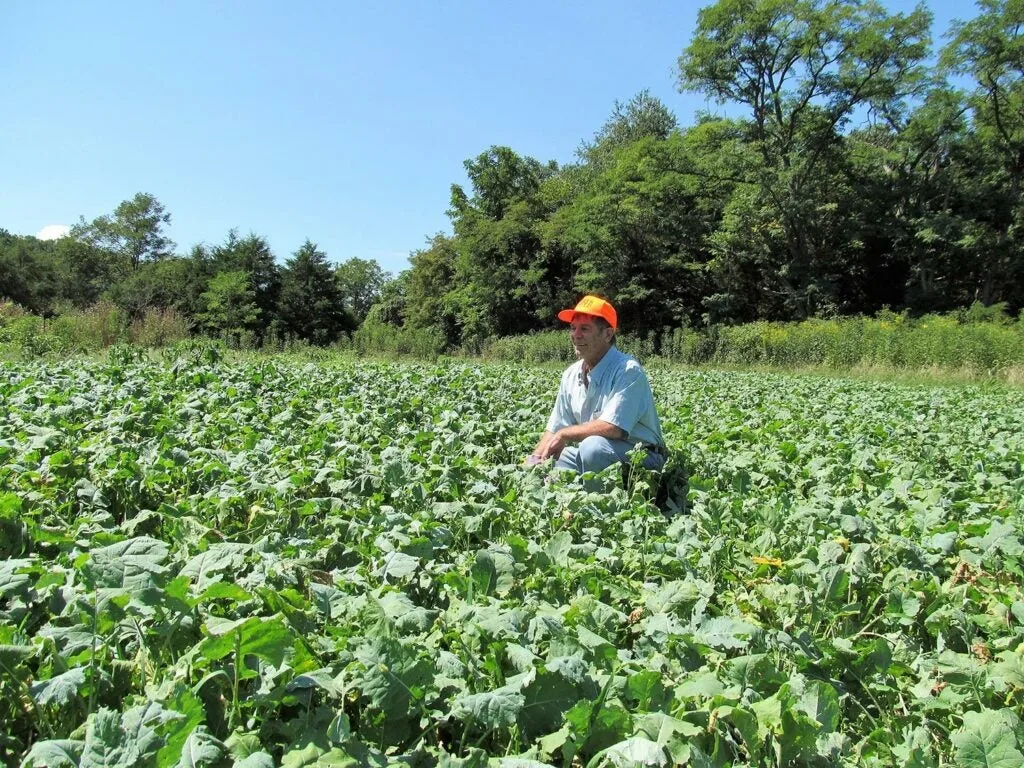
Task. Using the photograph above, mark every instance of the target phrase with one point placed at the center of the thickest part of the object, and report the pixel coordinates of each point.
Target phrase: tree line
(854, 167)
(236, 289)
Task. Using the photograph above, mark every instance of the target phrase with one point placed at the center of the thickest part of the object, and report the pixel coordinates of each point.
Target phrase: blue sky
(341, 122)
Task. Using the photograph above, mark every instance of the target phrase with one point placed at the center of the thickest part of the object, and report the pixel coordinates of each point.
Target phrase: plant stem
(234, 686)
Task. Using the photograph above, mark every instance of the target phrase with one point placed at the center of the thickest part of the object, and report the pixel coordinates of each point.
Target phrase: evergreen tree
(311, 306)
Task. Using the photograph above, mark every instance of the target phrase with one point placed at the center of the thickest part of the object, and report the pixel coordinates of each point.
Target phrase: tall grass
(554, 347)
(381, 338)
(978, 341)
(98, 327)
(948, 342)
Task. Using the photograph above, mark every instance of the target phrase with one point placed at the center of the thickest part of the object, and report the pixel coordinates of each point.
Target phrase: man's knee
(596, 453)
(569, 458)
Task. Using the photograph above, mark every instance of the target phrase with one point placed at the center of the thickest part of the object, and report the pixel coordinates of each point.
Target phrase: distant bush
(23, 334)
(544, 347)
(980, 340)
(375, 337)
(95, 328)
(91, 329)
(553, 347)
(159, 327)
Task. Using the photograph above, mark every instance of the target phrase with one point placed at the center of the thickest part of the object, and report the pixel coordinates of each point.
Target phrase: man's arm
(552, 443)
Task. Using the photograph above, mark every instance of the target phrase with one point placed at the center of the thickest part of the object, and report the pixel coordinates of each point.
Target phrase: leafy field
(278, 563)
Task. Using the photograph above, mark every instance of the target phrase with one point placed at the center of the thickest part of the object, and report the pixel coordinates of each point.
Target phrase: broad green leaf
(12, 583)
(915, 751)
(132, 565)
(313, 755)
(493, 572)
(1001, 537)
(59, 690)
(106, 743)
(340, 729)
(255, 760)
(209, 567)
(786, 716)
(701, 685)
(769, 716)
(558, 548)
(241, 744)
(573, 668)
(673, 594)
(545, 699)
(745, 723)
(987, 740)
(821, 703)
(184, 703)
(756, 672)
(200, 748)
(406, 615)
(267, 639)
(522, 659)
(556, 742)
(1008, 671)
(221, 590)
(662, 728)
(12, 655)
(492, 709)
(725, 632)
(10, 506)
(324, 679)
(397, 566)
(646, 690)
(54, 753)
(142, 723)
(392, 673)
(599, 725)
(637, 751)
(597, 616)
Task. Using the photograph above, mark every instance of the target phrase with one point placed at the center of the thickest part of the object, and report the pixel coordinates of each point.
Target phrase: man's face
(589, 338)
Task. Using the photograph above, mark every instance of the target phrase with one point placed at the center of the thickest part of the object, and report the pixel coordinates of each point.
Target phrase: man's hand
(552, 446)
(552, 443)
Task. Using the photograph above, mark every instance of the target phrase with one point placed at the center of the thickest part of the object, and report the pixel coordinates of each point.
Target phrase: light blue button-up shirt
(618, 392)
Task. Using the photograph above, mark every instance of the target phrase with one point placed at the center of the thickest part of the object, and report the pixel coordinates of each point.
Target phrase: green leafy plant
(282, 560)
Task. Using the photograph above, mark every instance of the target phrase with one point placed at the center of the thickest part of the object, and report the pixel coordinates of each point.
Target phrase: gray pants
(596, 453)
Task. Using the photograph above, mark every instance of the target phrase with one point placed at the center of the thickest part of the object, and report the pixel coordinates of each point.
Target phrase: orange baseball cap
(591, 305)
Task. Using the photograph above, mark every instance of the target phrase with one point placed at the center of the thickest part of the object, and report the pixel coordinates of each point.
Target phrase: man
(604, 406)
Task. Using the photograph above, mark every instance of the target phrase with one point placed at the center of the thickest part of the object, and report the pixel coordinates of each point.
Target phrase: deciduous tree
(230, 305)
(360, 282)
(804, 69)
(134, 233)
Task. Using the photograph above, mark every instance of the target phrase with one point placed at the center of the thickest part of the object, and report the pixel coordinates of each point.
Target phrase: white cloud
(53, 231)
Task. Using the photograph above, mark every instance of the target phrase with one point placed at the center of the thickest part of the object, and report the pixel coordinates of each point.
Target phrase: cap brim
(566, 315)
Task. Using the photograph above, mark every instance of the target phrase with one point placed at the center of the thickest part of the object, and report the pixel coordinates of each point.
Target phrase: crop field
(276, 562)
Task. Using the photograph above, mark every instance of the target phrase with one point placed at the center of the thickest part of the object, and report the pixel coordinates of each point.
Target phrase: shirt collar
(604, 364)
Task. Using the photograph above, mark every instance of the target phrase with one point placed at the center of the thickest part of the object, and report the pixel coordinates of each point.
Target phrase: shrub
(91, 329)
(159, 327)
(988, 344)
(375, 337)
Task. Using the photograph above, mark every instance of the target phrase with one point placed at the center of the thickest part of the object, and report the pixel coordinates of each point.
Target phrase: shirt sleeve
(561, 414)
(628, 400)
